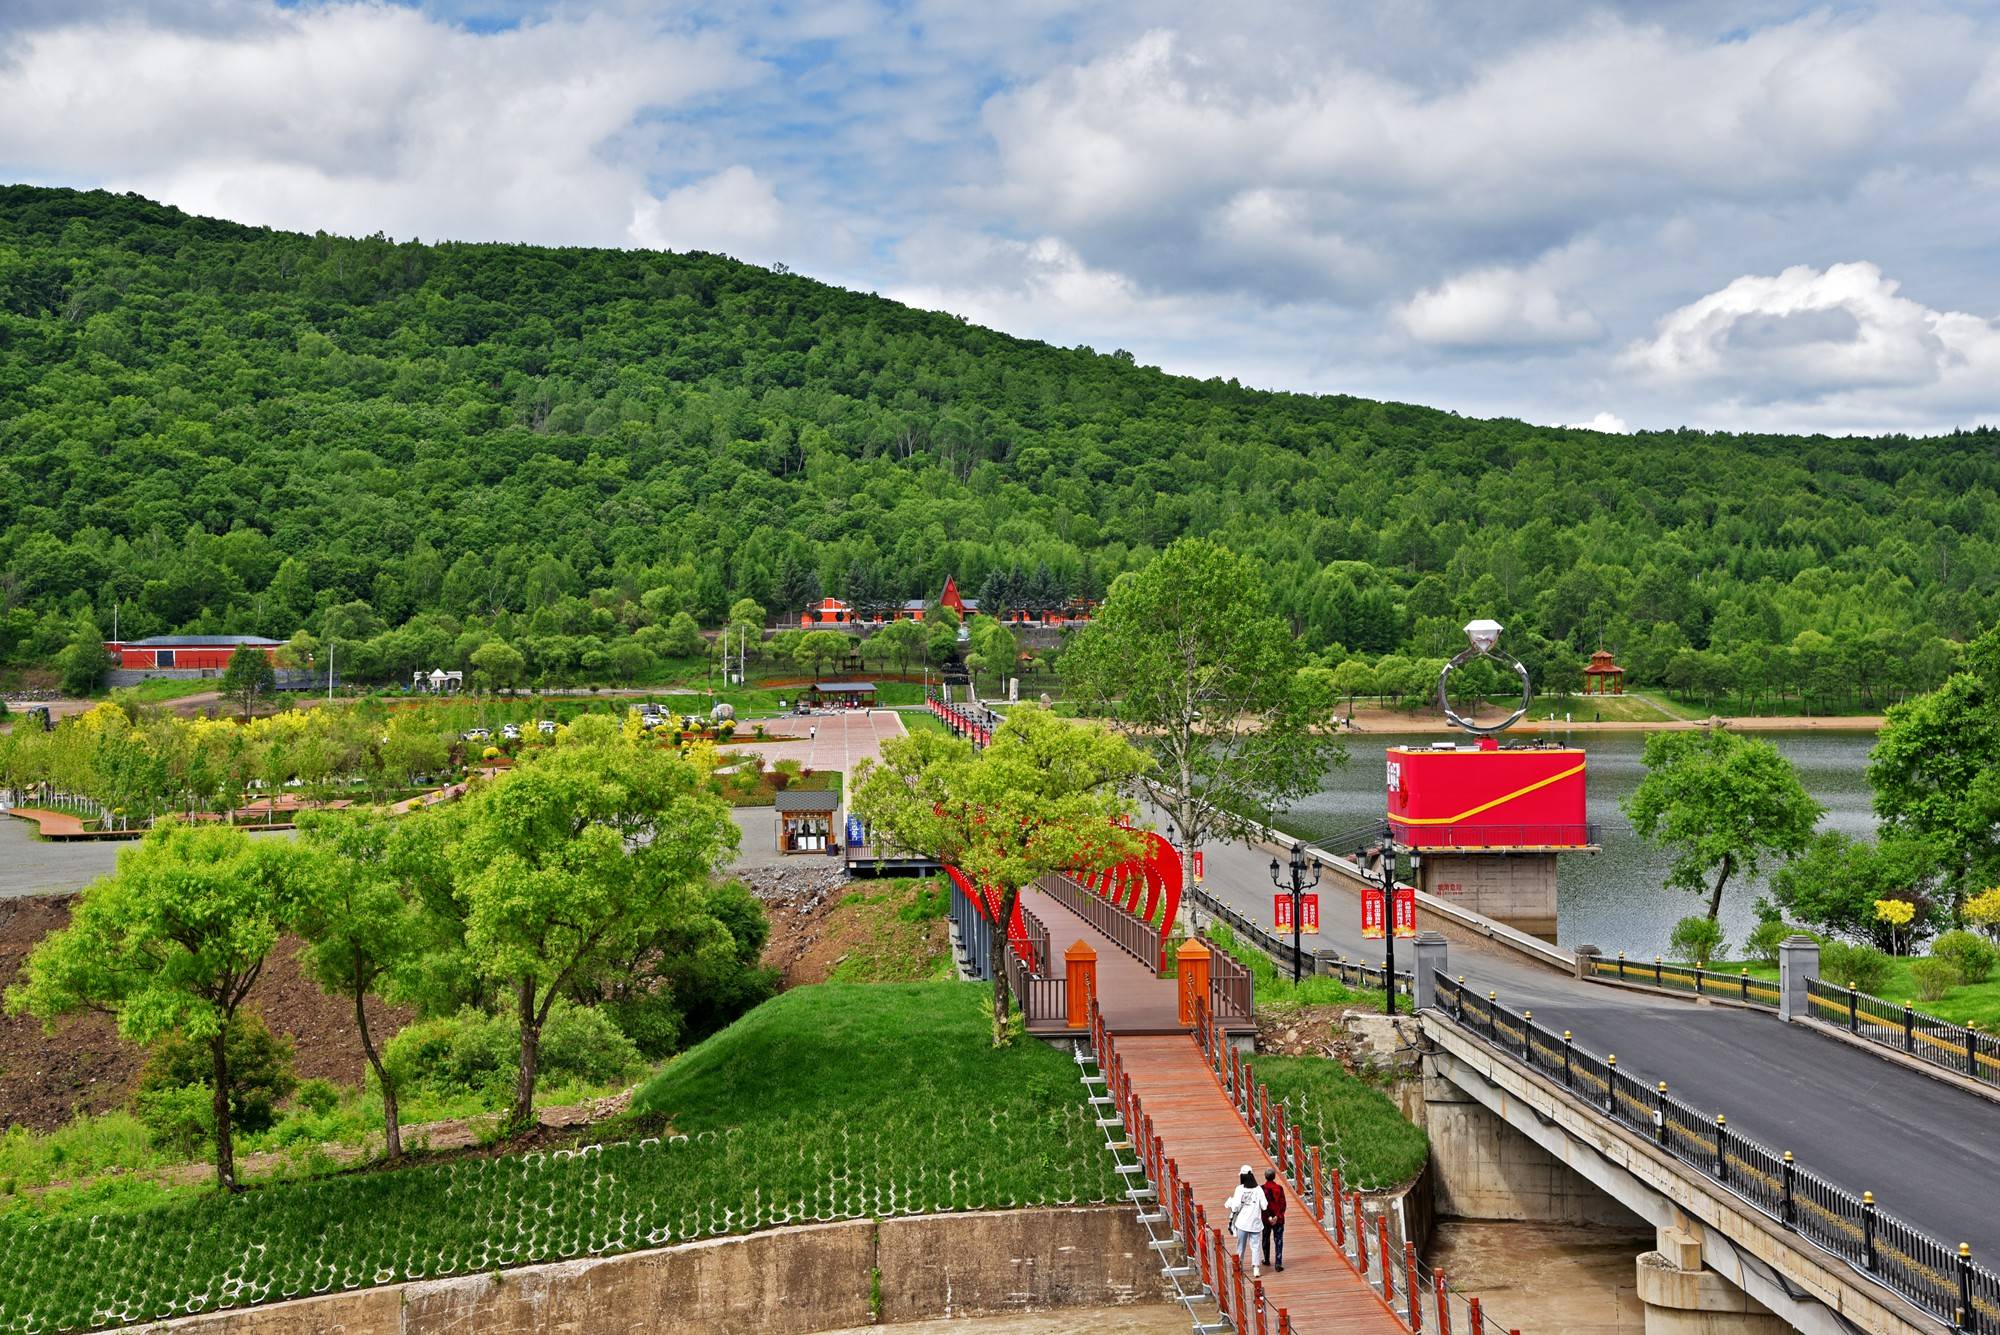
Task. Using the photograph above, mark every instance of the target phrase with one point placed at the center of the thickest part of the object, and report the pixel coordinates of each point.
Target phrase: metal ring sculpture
(1466, 655)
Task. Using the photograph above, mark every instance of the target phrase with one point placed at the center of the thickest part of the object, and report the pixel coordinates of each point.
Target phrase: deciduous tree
(171, 941)
(1187, 659)
(248, 678)
(563, 862)
(1721, 804)
(1040, 799)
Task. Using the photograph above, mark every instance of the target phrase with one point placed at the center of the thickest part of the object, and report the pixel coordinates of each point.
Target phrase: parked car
(476, 735)
(546, 727)
(510, 732)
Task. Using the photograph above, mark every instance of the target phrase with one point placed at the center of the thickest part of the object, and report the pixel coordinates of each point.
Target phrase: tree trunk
(392, 1131)
(996, 959)
(1715, 899)
(523, 1111)
(225, 1149)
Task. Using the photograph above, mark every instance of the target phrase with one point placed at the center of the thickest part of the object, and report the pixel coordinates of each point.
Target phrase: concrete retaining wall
(788, 1281)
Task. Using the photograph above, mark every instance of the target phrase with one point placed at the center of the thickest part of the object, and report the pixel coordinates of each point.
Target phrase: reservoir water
(1617, 899)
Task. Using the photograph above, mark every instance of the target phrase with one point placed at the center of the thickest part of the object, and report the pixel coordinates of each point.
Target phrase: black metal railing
(1895, 1024)
(1686, 978)
(1937, 1277)
(1312, 963)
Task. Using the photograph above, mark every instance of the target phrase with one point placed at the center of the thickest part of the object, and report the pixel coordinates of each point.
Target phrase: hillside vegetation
(420, 448)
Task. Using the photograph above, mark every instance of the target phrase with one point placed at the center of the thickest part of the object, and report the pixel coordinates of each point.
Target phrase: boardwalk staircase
(1342, 1276)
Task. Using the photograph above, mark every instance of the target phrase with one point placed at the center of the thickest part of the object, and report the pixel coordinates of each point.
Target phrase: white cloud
(1807, 332)
(1607, 422)
(733, 212)
(1495, 308)
(358, 116)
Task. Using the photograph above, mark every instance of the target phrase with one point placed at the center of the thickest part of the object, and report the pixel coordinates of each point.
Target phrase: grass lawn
(161, 689)
(921, 720)
(831, 1102)
(1968, 1003)
(1354, 1123)
(900, 929)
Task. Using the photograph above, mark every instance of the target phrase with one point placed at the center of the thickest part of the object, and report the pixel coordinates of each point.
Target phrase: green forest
(417, 450)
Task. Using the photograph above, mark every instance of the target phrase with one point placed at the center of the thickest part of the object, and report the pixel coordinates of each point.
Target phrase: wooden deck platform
(1134, 999)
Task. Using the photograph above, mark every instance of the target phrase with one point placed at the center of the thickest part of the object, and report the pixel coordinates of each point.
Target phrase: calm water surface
(1617, 899)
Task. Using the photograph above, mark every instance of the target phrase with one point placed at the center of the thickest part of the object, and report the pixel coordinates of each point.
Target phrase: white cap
(1247, 1169)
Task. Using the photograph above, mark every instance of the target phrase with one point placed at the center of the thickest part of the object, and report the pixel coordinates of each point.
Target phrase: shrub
(1697, 939)
(473, 1052)
(1762, 943)
(1983, 910)
(1933, 978)
(1863, 968)
(1974, 955)
(318, 1096)
(651, 1019)
(174, 1096)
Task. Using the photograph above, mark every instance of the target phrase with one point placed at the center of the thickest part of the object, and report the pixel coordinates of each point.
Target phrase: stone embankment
(788, 1281)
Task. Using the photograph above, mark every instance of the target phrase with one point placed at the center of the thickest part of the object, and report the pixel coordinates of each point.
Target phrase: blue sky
(1750, 216)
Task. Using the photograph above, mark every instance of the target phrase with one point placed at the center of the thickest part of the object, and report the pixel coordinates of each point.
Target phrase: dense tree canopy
(420, 449)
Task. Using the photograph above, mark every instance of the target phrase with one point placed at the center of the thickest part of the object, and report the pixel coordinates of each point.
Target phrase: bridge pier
(1683, 1297)
(1488, 1170)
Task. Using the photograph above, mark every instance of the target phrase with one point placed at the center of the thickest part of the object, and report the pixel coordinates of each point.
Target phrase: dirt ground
(86, 1067)
(850, 930)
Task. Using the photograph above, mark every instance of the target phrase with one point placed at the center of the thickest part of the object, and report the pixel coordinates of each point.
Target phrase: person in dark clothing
(1274, 1219)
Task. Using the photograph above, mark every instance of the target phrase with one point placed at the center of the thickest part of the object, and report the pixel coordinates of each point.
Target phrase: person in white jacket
(1245, 1212)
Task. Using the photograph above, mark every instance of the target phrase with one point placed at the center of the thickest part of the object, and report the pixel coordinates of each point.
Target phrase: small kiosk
(806, 821)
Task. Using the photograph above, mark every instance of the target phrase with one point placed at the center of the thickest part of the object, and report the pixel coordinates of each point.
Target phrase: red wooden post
(1257, 1305)
(1159, 1151)
(1360, 1234)
(1443, 1303)
(1221, 1285)
(1193, 964)
(1299, 1159)
(1278, 1136)
(1388, 1265)
(1410, 1288)
(1475, 1320)
(1190, 1223)
(1319, 1187)
(1201, 1246)
(1236, 1302)
(1080, 973)
(1284, 1322)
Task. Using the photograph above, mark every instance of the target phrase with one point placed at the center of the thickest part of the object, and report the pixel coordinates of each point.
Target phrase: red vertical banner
(1197, 866)
(1309, 914)
(1406, 910)
(1372, 925)
(1281, 911)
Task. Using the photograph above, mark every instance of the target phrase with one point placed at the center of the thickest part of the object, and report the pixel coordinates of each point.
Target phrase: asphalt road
(1929, 1151)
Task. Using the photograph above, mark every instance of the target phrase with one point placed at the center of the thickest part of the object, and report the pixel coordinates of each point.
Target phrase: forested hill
(419, 447)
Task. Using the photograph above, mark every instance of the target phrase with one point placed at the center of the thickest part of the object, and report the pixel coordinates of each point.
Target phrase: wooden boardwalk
(1133, 998)
(1200, 1131)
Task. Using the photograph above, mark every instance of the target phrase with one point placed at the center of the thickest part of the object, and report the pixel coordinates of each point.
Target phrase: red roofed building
(827, 612)
(949, 598)
(186, 652)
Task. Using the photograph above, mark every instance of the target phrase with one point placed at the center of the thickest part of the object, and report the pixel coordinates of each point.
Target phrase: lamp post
(1381, 856)
(1298, 888)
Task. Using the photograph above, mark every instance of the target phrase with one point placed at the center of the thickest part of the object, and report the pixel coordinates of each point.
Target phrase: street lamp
(1298, 887)
(1381, 856)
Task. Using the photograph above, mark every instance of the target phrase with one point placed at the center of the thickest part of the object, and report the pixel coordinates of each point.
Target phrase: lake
(1617, 899)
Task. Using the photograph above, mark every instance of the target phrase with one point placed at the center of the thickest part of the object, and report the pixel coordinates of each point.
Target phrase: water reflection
(1617, 899)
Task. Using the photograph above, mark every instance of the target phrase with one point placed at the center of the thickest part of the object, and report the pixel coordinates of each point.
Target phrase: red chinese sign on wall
(1406, 910)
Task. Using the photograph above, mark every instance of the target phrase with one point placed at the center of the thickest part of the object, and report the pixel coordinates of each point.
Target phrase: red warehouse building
(186, 653)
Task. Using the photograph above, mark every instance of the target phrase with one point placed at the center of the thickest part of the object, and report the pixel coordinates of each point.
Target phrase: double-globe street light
(1297, 889)
(1380, 856)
